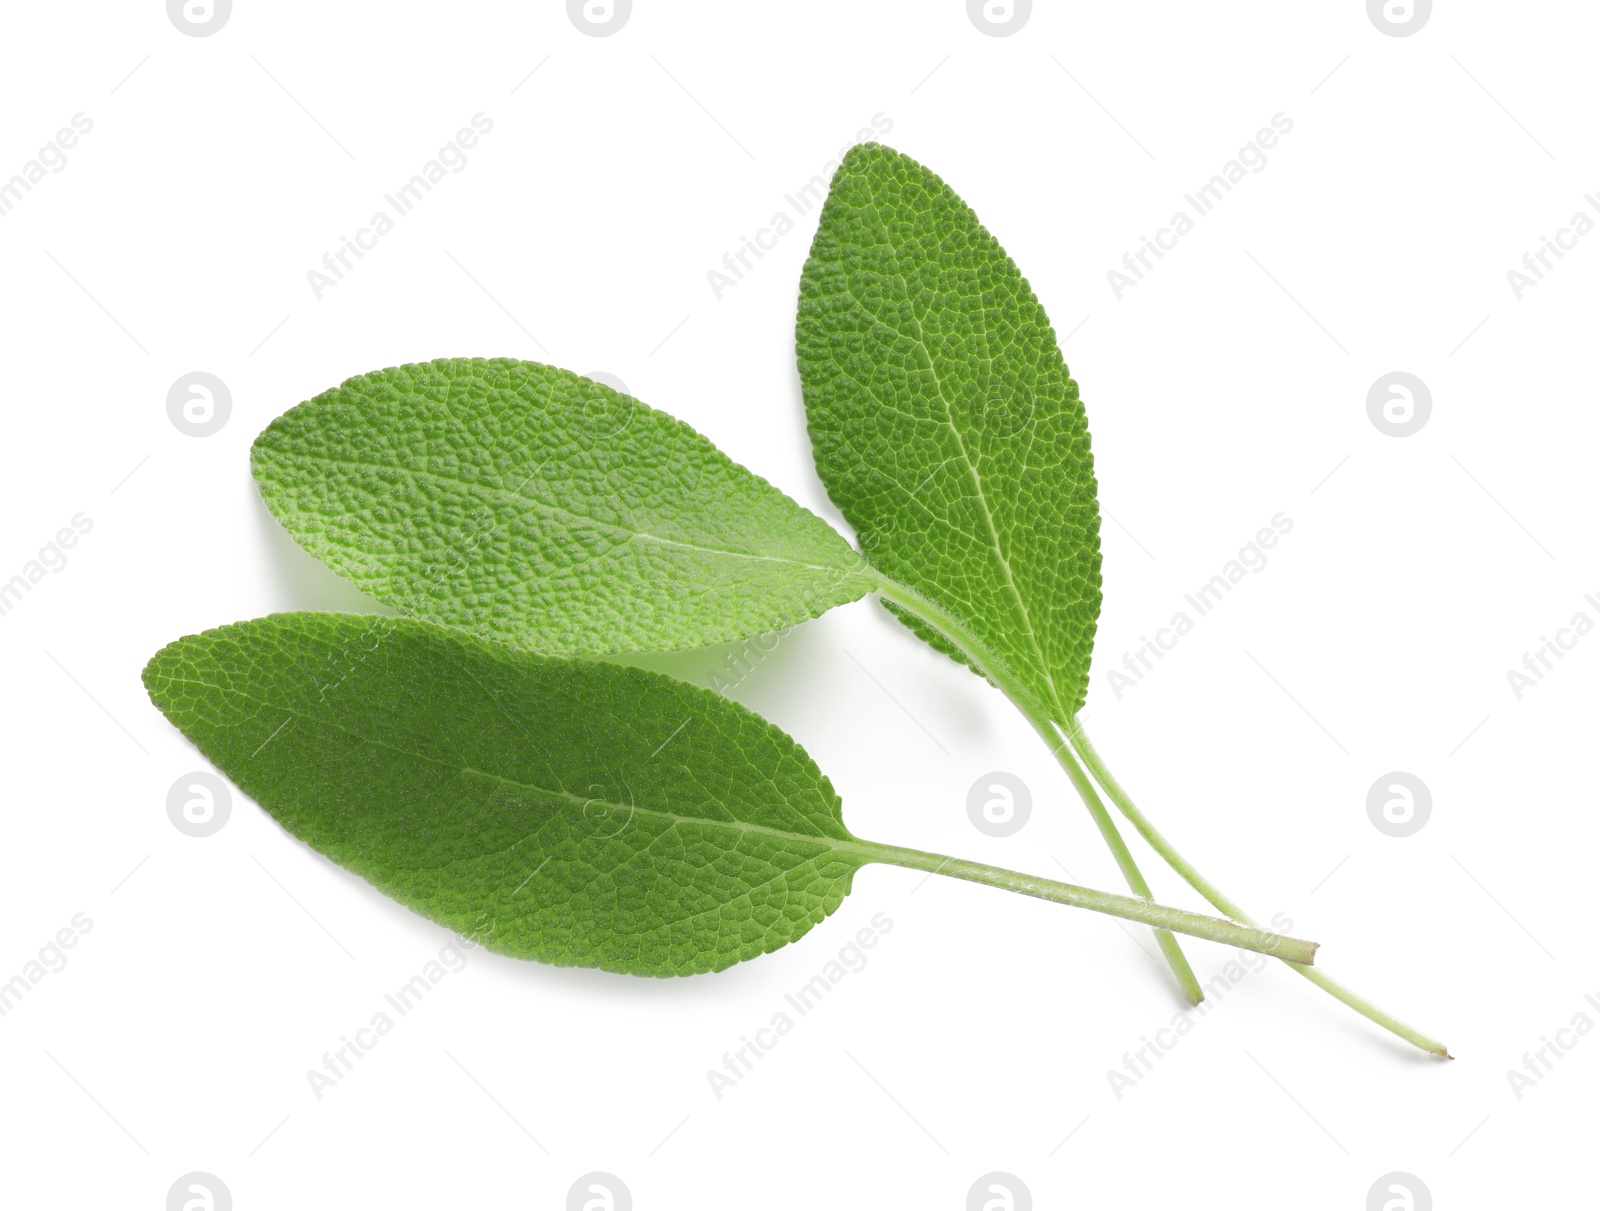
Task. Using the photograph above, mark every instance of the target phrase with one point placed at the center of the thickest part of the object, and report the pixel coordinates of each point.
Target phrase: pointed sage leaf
(947, 429)
(575, 812)
(534, 506)
(948, 432)
(572, 811)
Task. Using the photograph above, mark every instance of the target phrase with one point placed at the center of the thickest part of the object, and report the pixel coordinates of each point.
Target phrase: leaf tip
(156, 675)
(863, 155)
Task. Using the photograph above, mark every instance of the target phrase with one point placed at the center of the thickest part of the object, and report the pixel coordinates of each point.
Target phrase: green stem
(1119, 849)
(1091, 758)
(1041, 717)
(1038, 715)
(1213, 929)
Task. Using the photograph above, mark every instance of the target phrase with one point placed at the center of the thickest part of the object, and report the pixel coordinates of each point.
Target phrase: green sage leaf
(946, 427)
(534, 506)
(574, 812)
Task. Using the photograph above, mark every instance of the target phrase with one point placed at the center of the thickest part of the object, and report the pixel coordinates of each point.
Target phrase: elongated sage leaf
(531, 505)
(571, 811)
(946, 427)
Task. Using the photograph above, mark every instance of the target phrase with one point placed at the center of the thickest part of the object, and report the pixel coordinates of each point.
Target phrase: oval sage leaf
(947, 429)
(533, 506)
(574, 812)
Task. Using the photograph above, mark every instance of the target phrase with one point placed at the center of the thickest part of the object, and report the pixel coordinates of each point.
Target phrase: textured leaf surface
(575, 812)
(534, 506)
(944, 422)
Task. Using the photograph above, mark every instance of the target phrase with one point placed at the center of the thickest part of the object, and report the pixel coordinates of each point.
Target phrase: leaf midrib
(853, 845)
(972, 471)
(498, 490)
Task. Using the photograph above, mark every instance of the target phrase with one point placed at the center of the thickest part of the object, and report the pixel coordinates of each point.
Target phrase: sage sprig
(571, 811)
(538, 509)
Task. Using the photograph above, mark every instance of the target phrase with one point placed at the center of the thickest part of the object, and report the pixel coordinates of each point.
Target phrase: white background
(1226, 387)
